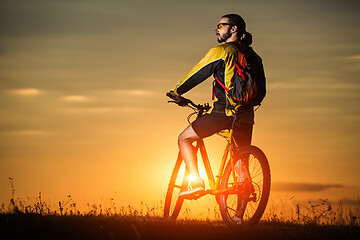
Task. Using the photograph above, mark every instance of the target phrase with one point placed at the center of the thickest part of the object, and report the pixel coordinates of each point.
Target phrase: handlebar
(183, 102)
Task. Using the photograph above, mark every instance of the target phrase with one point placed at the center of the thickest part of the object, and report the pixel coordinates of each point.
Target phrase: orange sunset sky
(84, 112)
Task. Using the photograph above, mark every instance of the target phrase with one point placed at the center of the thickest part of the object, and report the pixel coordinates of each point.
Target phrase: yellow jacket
(220, 62)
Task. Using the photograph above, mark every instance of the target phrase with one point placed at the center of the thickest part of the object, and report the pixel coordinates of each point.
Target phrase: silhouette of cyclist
(219, 62)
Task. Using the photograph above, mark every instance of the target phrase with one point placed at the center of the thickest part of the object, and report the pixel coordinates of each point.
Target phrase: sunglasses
(222, 25)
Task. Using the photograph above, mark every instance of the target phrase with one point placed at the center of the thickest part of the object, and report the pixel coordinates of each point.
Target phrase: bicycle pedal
(195, 196)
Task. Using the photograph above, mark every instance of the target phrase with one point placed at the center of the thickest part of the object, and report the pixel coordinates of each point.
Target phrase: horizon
(83, 102)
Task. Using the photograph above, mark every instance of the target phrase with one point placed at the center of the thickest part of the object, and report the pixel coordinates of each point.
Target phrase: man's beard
(223, 38)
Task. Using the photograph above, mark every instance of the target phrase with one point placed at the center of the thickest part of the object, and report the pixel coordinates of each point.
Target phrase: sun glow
(191, 179)
(202, 173)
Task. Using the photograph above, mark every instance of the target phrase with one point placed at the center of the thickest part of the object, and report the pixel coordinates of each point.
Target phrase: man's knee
(187, 136)
(184, 138)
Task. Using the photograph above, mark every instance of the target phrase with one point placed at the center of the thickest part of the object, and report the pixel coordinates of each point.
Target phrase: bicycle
(242, 186)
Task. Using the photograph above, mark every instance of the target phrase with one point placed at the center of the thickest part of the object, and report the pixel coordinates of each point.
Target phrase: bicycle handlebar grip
(178, 100)
(169, 95)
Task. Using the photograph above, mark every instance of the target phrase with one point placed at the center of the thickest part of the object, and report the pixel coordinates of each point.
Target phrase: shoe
(192, 190)
(237, 220)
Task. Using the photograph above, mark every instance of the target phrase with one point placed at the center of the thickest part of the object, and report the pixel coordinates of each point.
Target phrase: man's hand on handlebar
(181, 101)
(177, 99)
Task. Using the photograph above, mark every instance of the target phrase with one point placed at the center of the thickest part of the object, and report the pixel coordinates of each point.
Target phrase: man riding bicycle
(220, 62)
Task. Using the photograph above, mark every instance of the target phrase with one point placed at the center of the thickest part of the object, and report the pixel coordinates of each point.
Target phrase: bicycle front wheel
(179, 180)
(246, 205)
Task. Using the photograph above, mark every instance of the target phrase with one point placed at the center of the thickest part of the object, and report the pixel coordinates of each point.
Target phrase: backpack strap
(240, 71)
(224, 87)
(221, 84)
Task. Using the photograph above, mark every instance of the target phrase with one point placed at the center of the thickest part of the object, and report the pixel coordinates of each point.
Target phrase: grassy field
(21, 219)
(34, 226)
(37, 221)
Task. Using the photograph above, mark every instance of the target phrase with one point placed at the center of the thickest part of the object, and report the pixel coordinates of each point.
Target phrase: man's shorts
(214, 122)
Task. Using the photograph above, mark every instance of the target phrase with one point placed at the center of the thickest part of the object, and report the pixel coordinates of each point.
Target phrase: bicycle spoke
(255, 170)
(231, 209)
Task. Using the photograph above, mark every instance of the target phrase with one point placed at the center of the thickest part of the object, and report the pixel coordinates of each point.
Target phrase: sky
(84, 112)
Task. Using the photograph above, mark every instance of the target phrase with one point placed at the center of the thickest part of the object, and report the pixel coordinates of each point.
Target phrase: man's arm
(213, 60)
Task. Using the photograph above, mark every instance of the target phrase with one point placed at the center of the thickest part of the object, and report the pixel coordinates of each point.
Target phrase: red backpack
(249, 80)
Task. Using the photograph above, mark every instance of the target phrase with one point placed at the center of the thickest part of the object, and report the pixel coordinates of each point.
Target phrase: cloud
(89, 110)
(26, 18)
(26, 133)
(355, 57)
(26, 91)
(303, 187)
(135, 92)
(104, 110)
(317, 84)
(75, 98)
(318, 110)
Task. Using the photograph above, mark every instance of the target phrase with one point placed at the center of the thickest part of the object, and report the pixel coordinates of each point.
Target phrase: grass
(35, 226)
(38, 220)
(320, 212)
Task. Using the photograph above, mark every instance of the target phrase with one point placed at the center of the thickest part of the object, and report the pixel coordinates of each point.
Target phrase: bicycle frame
(214, 184)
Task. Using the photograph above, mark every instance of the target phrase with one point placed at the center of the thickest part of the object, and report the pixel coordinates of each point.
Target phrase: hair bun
(247, 39)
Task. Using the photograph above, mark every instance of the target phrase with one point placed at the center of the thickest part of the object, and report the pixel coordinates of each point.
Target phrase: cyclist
(220, 62)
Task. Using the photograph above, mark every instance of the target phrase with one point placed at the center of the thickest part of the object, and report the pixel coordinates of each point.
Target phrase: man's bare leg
(188, 151)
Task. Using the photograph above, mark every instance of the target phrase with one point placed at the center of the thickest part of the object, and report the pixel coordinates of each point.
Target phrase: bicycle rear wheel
(246, 205)
(179, 180)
